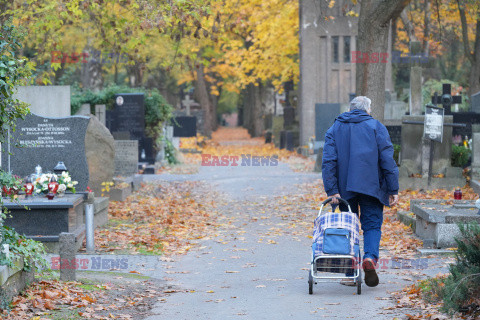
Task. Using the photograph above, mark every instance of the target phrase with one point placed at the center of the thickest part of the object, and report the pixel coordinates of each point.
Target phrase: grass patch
(65, 314)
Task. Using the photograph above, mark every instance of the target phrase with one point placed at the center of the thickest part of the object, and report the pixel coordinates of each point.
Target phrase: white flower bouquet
(65, 183)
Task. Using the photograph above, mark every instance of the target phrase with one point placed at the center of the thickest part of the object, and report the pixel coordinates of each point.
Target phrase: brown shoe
(371, 278)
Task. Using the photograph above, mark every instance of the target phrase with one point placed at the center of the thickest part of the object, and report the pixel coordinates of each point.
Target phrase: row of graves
(425, 162)
(64, 162)
(110, 146)
(426, 137)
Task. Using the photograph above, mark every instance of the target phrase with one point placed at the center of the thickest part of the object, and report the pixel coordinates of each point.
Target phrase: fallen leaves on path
(235, 142)
(417, 307)
(53, 299)
(167, 217)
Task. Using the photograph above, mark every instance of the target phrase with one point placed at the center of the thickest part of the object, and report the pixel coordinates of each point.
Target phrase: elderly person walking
(358, 166)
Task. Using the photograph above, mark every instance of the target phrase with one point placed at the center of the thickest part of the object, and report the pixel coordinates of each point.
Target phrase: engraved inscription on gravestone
(46, 141)
(126, 157)
(128, 115)
(433, 128)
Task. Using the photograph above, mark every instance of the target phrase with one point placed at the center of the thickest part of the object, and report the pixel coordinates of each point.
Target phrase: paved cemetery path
(255, 267)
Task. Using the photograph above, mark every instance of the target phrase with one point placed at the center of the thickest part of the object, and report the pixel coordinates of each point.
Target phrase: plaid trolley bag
(336, 245)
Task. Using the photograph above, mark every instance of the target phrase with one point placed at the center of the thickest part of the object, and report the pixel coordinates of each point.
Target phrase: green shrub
(460, 156)
(32, 251)
(157, 110)
(462, 287)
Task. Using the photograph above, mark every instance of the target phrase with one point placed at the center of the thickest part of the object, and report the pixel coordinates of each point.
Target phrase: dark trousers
(371, 219)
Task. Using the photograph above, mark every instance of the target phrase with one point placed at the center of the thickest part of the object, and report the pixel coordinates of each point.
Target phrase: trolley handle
(330, 200)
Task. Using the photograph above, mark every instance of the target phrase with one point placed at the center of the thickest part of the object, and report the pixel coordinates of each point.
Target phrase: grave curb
(14, 279)
(442, 252)
(407, 219)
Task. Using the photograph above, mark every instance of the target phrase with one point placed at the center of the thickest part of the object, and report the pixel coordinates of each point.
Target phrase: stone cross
(415, 61)
(188, 103)
(446, 100)
(415, 100)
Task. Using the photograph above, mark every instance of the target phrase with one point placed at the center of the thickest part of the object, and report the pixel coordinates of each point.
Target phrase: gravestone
(100, 113)
(395, 110)
(121, 135)
(288, 116)
(184, 126)
(415, 157)
(47, 141)
(437, 221)
(395, 132)
(128, 115)
(325, 115)
(46, 101)
(476, 156)
(126, 157)
(188, 104)
(145, 150)
(100, 152)
(446, 99)
(288, 139)
(475, 102)
(198, 114)
(84, 110)
(470, 119)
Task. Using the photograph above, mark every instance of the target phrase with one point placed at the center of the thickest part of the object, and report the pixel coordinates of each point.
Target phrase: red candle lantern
(29, 187)
(52, 188)
(457, 195)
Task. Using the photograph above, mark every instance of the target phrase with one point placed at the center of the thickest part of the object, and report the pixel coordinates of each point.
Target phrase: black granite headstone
(468, 118)
(185, 126)
(325, 114)
(46, 141)
(288, 116)
(287, 140)
(145, 150)
(128, 114)
(475, 102)
(121, 135)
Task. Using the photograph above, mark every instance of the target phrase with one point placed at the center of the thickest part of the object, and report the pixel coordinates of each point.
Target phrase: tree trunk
(426, 32)
(473, 57)
(208, 106)
(135, 74)
(91, 72)
(253, 110)
(373, 26)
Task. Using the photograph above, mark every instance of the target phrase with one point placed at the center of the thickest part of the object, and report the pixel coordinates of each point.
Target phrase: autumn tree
(373, 28)
(472, 54)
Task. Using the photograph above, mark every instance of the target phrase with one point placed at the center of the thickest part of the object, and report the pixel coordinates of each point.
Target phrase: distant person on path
(358, 166)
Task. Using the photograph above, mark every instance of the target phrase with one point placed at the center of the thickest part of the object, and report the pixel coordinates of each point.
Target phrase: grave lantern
(52, 188)
(29, 187)
(59, 168)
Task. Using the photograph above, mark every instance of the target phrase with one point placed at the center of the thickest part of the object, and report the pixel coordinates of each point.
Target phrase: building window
(346, 49)
(335, 49)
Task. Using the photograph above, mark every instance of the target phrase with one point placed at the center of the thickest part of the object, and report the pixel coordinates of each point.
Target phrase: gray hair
(361, 103)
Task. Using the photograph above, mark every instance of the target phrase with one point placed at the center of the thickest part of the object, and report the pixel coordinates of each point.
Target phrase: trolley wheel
(310, 282)
(359, 283)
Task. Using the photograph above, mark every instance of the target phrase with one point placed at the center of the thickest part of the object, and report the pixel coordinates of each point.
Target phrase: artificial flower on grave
(65, 183)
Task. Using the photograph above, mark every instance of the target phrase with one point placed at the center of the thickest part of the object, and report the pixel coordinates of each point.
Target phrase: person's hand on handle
(393, 200)
(335, 198)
